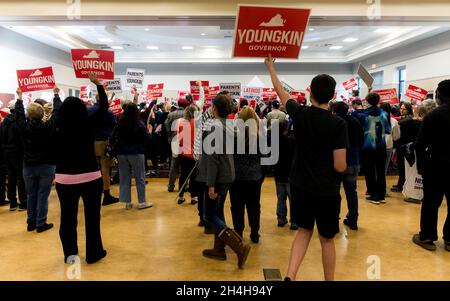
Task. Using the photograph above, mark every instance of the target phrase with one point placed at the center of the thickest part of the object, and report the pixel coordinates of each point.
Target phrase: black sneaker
(254, 238)
(170, 189)
(4, 202)
(109, 199)
(22, 206)
(13, 207)
(395, 188)
(426, 244)
(282, 223)
(31, 227)
(294, 226)
(44, 227)
(194, 201)
(181, 200)
(95, 259)
(411, 200)
(352, 226)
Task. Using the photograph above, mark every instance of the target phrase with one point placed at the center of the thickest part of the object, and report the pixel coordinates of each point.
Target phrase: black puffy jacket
(9, 135)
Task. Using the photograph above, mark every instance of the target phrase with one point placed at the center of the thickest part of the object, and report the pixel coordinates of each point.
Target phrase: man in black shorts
(319, 159)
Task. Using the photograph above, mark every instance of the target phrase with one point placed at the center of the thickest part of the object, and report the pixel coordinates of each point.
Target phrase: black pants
(435, 186)
(69, 195)
(246, 194)
(14, 167)
(186, 165)
(401, 167)
(374, 170)
(2, 183)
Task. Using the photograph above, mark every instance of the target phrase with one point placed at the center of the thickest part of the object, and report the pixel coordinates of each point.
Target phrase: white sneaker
(145, 205)
(128, 206)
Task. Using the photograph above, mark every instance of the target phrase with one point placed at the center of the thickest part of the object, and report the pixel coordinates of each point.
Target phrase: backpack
(374, 134)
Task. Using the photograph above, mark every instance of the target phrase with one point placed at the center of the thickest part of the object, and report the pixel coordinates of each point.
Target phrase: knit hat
(12, 104)
(35, 111)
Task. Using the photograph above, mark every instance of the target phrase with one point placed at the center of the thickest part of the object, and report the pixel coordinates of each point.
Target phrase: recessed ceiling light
(203, 34)
(305, 47)
(117, 47)
(311, 29)
(152, 47)
(105, 40)
(350, 40)
(336, 47)
(187, 47)
(383, 30)
(147, 29)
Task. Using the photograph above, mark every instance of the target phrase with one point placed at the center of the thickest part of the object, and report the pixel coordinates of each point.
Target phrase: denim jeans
(283, 192)
(131, 165)
(349, 179)
(213, 211)
(38, 183)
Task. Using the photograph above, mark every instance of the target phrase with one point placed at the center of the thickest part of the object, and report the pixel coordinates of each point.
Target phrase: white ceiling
(213, 43)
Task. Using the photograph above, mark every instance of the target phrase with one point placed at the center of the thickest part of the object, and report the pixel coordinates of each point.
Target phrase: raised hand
(269, 61)
(19, 93)
(93, 78)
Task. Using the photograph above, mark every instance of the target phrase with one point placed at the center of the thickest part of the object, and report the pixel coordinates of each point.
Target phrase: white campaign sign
(135, 77)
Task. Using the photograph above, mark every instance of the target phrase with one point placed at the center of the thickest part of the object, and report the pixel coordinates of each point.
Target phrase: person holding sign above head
(78, 173)
(319, 159)
(39, 159)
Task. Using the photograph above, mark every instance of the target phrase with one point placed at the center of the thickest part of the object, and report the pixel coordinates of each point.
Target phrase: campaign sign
(233, 88)
(366, 77)
(388, 95)
(211, 92)
(195, 89)
(36, 79)
(135, 77)
(262, 30)
(93, 60)
(114, 85)
(297, 95)
(269, 93)
(350, 84)
(115, 107)
(251, 93)
(288, 88)
(155, 90)
(416, 93)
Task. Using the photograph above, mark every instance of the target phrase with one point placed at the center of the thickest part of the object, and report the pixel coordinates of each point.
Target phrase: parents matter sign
(92, 60)
(388, 95)
(114, 85)
(416, 93)
(233, 88)
(135, 77)
(261, 31)
(36, 79)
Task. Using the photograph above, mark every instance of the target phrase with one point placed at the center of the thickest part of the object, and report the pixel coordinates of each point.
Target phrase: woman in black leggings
(78, 174)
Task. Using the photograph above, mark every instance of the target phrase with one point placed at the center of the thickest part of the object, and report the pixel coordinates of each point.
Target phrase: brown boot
(232, 239)
(218, 252)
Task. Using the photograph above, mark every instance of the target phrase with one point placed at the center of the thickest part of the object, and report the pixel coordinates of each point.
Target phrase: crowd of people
(322, 146)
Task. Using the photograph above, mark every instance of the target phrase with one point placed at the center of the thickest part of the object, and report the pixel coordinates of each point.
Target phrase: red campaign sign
(269, 93)
(83, 92)
(211, 92)
(89, 60)
(115, 107)
(155, 90)
(195, 89)
(298, 96)
(261, 31)
(416, 93)
(36, 79)
(252, 103)
(308, 89)
(350, 84)
(388, 95)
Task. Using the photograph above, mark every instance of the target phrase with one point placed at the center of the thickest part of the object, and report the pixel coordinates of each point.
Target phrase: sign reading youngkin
(261, 31)
(36, 79)
(92, 60)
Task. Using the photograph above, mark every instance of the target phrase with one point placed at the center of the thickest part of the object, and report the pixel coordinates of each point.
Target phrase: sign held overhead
(365, 75)
(262, 30)
(36, 79)
(93, 60)
(135, 77)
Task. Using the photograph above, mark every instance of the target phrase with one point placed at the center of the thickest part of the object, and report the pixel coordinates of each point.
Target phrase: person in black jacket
(129, 139)
(39, 165)
(13, 153)
(3, 201)
(433, 163)
(78, 173)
